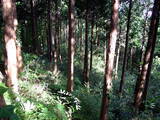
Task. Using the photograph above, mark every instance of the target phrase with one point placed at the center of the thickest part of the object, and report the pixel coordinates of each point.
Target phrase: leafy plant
(3, 88)
(8, 110)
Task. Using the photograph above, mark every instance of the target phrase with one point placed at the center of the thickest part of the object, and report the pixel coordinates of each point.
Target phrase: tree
(34, 29)
(55, 69)
(10, 21)
(57, 29)
(142, 50)
(117, 53)
(49, 40)
(143, 80)
(92, 36)
(144, 37)
(19, 58)
(86, 71)
(109, 61)
(126, 48)
(71, 44)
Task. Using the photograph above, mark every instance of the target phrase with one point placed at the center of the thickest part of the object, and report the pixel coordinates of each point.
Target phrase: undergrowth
(42, 95)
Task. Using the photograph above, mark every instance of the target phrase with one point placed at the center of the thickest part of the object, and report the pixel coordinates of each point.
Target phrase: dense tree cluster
(91, 52)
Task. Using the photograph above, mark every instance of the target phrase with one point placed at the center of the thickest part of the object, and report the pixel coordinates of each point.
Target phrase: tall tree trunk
(10, 20)
(71, 45)
(18, 46)
(128, 55)
(49, 41)
(78, 34)
(25, 42)
(67, 30)
(55, 69)
(117, 54)
(23, 37)
(133, 51)
(86, 72)
(105, 50)
(92, 36)
(33, 22)
(126, 48)
(76, 24)
(97, 35)
(109, 61)
(81, 35)
(59, 31)
(140, 94)
(143, 40)
(57, 28)
(59, 39)
(19, 58)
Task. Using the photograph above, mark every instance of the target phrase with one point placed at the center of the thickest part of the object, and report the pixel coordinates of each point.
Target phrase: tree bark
(86, 72)
(24, 38)
(19, 58)
(59, 39)
(71, 45)
(33, 22)
(57, 25)
(109, 61)
(117, 54)
(49, 41)
(126, 48)
(92, 36)
(143, 40)
(10, 21)
(140, 94)
(55, 69)
(81, 35)
(97, 36)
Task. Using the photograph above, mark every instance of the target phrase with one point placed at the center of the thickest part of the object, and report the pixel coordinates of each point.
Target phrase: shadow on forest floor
(120, 107)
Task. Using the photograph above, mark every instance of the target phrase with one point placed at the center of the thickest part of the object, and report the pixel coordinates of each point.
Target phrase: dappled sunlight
(79, 60)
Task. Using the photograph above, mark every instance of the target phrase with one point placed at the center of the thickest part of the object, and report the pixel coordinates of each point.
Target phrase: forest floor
(43, 97)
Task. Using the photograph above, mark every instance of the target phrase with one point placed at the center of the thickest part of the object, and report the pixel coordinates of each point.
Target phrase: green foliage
(40, 98)
(34, 68)
(7, 111)
(153, 97)
(46, 112)
(90, 105)
(37, 103)
(68, 100)
(3, 88)
(156, 67)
